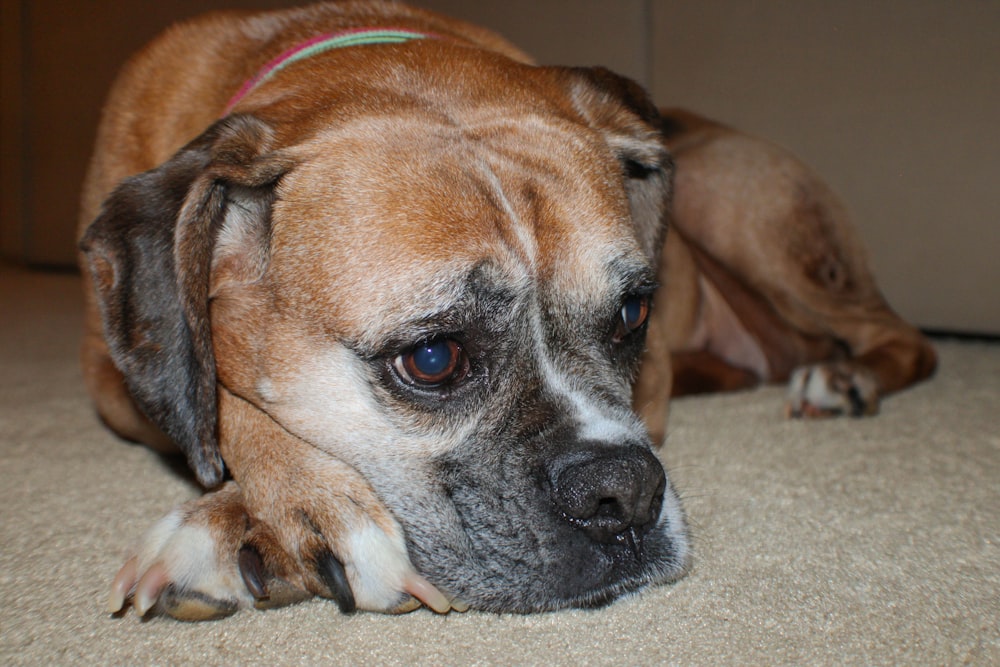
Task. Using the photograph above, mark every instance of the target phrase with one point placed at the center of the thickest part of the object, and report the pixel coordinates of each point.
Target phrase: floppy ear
(150, 253)
(630, 121)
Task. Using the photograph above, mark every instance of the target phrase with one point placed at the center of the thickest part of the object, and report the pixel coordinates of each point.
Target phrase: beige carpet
(872, 542)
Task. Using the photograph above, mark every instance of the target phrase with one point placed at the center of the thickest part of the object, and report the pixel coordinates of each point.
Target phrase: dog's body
(402, 291)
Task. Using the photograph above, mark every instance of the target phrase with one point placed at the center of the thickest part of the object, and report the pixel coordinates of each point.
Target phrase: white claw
(121, 586)
(148, 590)
(424, 591)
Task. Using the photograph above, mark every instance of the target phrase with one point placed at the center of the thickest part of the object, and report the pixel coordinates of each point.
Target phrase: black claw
(858, 405)
(331, 571)
(252, 571)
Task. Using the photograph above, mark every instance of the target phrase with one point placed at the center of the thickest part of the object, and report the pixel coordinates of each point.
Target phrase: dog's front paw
(340, 541)
(206, 559)
(210, 558)
(831, 389)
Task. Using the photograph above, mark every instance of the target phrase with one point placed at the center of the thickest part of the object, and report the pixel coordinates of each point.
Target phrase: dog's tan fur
(761, 273)
(765, 276)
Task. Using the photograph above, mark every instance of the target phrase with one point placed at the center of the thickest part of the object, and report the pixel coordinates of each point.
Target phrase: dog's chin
(506, 559)
(588, 576)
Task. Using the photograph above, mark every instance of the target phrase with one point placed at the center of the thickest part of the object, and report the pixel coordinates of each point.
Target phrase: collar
(320, 44)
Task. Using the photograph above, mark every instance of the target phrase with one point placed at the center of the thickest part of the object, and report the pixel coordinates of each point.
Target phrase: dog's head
(446, 288)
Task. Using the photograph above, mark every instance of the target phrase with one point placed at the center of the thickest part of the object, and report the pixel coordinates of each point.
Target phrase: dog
(389, 287)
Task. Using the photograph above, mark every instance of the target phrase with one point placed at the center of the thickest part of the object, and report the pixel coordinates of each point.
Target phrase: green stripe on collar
(322, 43)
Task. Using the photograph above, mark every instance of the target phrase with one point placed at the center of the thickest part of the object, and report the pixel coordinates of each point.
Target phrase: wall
(67, 53)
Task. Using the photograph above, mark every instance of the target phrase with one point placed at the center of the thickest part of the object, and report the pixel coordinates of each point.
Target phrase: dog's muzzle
(576, 527)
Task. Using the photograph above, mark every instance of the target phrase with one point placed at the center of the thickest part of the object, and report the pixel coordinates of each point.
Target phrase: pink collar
(338, 40)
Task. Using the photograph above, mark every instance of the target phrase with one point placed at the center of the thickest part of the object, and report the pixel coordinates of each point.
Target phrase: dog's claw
(423, 590)
(148, 590)
(252, 572)
(122, 586)
(331, 571)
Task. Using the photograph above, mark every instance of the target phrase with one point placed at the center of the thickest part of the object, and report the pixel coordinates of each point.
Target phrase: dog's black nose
(611, 494)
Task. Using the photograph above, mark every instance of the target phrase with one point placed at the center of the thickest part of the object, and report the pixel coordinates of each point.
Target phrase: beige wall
(896, 102)
(612, 33)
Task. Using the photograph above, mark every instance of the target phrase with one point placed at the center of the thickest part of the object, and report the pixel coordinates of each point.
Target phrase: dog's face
(453, 300)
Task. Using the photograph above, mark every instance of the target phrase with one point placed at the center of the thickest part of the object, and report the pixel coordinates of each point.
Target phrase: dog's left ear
(150, 254)
(621, 109)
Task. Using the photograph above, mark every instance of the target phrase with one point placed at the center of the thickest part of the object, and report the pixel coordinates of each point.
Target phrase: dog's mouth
(584, 576)
(610, 525)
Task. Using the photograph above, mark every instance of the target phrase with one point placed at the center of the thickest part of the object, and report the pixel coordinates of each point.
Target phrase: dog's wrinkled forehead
(415, 216)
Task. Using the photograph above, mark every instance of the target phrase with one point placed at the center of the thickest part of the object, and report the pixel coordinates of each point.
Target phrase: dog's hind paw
(832, 389)
(204, 561)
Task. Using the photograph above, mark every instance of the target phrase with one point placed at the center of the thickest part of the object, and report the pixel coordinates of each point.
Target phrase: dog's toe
(364, 567)
(832, 389)
(193, 605)
(201, 562)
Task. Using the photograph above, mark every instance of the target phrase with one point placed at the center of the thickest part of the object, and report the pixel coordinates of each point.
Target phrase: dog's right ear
(150, 255)
(622, 110)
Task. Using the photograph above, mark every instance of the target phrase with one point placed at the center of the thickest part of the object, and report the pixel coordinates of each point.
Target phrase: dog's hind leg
(780, 249)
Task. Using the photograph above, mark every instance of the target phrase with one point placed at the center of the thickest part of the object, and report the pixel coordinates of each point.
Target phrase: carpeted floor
(871, 542)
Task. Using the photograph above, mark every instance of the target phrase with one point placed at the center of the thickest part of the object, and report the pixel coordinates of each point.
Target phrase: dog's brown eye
(633, 315)
(433, 363)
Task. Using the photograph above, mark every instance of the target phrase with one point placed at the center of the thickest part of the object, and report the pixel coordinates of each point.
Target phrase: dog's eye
(633, 315)
(433, 363)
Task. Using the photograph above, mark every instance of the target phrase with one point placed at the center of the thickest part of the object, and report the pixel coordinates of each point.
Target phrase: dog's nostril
(610, 493)
(610, 515)
(609, 506)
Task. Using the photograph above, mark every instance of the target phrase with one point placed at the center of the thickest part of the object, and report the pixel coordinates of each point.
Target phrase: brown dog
(397, 282)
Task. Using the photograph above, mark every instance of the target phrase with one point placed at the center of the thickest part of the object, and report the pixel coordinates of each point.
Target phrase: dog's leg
(322, 512)
(211, 557)
(886, 355)
(841, 350)
(304, 524)
(781, 252)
